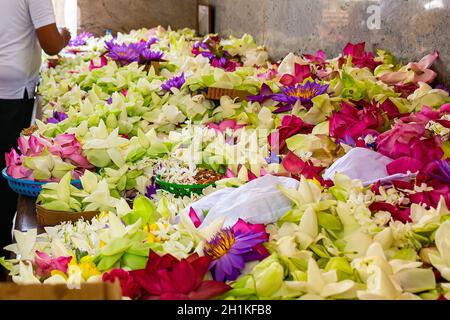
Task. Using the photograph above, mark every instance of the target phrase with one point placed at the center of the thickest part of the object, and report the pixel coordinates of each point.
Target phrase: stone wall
(408, 28)
(123, 15)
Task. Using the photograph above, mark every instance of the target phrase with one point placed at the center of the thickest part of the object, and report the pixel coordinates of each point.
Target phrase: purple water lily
(230, 248)
(303, 93)
(151, 190)
(152, 41)
(443, 168)
(264, 94)
(125, 53)
(80, 40)
(175, 82)
(148, 55)
(57, 117)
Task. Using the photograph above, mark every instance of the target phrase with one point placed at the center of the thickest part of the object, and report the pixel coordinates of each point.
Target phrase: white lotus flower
(441, 259)
(321, 284)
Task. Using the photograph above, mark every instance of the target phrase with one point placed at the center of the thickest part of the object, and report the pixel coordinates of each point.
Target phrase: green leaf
(118, 245)
(107, 262)
(144, 209)
(134, 262)
(329, 221)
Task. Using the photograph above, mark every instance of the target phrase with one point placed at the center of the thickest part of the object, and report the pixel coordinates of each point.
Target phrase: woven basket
(48, 218)
(217, 93)
(181, 190)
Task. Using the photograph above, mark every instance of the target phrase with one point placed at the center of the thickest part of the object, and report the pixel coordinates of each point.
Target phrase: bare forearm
(52, 41)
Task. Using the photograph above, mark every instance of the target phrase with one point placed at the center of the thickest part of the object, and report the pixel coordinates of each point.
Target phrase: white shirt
(20, 52)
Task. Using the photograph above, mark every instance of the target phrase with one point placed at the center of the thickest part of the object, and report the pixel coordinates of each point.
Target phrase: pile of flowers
(356, 149)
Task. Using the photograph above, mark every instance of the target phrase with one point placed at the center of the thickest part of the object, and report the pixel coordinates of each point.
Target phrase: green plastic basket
(181, 190)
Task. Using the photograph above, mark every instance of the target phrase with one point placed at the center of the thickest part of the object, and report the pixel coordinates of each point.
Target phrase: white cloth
(259, 201)
(365, 165)
(20, 52)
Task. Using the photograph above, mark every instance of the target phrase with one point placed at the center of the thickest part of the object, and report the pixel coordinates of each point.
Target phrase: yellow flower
(103, 214)
(88, 267)
(151, 238)
(101, 244)
(58, 272)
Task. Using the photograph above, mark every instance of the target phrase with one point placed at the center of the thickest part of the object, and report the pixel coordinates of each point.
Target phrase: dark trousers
(14, 116)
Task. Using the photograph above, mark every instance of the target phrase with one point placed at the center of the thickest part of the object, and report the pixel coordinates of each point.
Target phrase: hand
(66, 36)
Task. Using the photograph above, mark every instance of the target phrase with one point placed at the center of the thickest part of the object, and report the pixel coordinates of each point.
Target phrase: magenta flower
(351, 124)
(360, 57)
(103, 62)
(297, 167)
(45, 265)
(299, 93)
(290, 125)
(301, 72)
(175, 82)
(224, 125)
(319, 58)
(57, 117)
(408, 138)
(230, 248)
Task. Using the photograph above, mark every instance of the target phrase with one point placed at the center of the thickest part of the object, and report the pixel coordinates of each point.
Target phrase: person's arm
(51, 40)
(43, 18)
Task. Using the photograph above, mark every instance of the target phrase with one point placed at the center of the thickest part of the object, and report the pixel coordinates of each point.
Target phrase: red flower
(297, 167)
(290, 125)
(129, 287)
(360, 57)
(301, 73)
(167, 278)
(402, 215)
(353, 123)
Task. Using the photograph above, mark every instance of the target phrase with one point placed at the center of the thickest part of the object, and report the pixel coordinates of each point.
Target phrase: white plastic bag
(258, 201)
(365, 165)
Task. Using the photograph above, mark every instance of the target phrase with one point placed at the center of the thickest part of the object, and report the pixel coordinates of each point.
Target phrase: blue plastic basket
(29, 188)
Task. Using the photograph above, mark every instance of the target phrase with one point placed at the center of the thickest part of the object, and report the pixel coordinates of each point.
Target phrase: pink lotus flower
(224, 125)
(421, 69)
(68, 148)
(14, 167)
(301, 73)
(360, 57)
(33, 145)
(45, 265)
